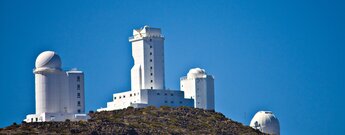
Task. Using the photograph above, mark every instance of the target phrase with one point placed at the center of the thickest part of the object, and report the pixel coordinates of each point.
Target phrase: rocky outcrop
(149, 120)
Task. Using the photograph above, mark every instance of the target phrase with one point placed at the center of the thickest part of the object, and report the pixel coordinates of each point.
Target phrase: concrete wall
(148, 97)
(76, 92)
(48, 87)
(172, 98)
(201, 89)
(43, 117)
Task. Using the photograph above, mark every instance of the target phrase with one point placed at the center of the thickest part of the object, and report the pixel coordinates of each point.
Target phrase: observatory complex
(59, 94)
(148, 82)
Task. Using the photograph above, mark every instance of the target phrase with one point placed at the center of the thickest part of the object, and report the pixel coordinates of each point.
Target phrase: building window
(130, 95)
(36, 119)
(158, 94)
(180, 102)
(171, 94)
(150, 46)
(134, 94)
(124, 96)
(78, 78)
(79, 111)
(78, 87)
(150, 60)
(150, 40)
(151, 81)
(165, 101)
(78, 95)
(114, 98)
(165, 94)
(151, 74)
(172, 102)
(150, 67)
(150, 53)
(151, 88)
(78, 103)
(119, 97)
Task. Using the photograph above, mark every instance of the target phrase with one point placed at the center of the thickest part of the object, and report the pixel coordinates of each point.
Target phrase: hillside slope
(150, 120)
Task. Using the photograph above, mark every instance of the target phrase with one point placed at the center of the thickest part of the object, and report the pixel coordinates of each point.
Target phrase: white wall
(201, 89)
(136, 77)
(123, 100)
(210, 104)
(76, 94)
(148, 97)
(172, 98)
(64, 94)
(188, 87)
(48, 87)
(55, 117)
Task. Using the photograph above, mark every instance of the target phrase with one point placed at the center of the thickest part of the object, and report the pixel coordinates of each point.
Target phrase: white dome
(48, 59)
(266, 122)
(196, 72)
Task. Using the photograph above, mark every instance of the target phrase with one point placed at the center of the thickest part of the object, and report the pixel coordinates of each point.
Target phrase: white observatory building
(59, 94)
(266, 122)
(200, 87)
(148, 82)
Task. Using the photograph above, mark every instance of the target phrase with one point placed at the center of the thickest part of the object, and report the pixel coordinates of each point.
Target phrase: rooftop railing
(144, 35)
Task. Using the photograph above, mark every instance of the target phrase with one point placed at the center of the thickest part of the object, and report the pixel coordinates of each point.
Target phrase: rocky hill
(149, 120)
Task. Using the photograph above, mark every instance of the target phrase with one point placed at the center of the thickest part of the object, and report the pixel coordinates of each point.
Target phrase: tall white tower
(147, 75)
(48, 83)
(200, 87)
(148, 55)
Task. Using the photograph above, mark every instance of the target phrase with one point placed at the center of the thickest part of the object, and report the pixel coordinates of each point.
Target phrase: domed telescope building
(200, 87)
(266, 122)
(59, 94)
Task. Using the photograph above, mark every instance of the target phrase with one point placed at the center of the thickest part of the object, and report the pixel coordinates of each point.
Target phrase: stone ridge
(149, 120)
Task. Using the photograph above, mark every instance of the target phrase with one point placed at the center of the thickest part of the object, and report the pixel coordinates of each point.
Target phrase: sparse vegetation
(149, 120)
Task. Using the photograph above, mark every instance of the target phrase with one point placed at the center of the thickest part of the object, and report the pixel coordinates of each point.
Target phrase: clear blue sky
(287, 57)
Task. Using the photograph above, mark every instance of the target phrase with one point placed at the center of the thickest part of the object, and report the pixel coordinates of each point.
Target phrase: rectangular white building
(200, 87)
